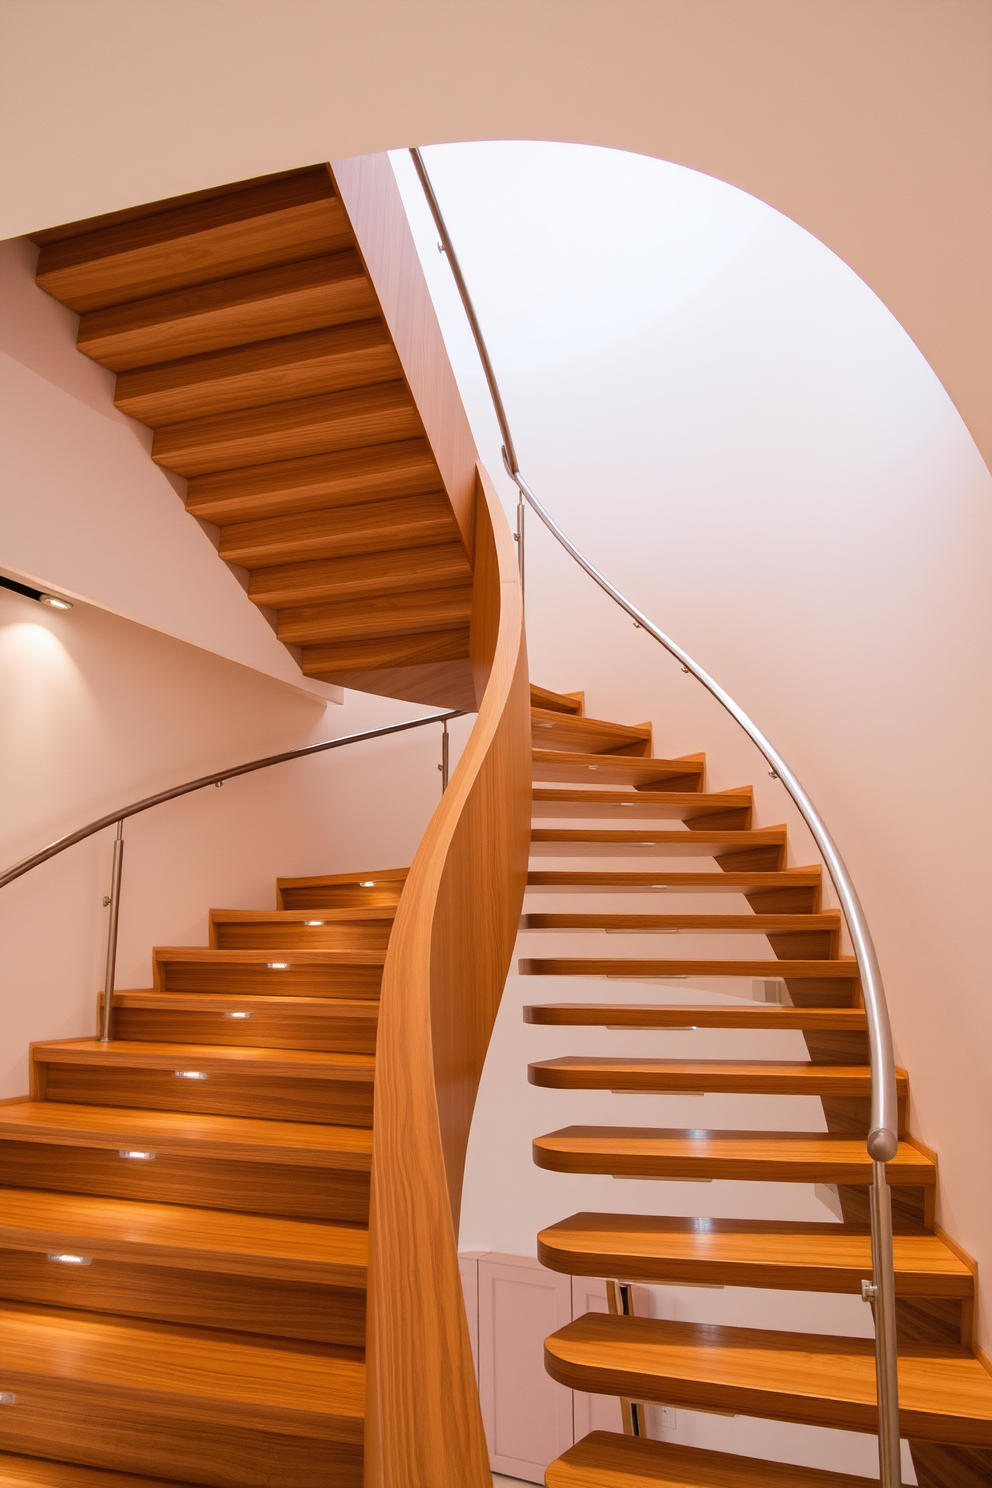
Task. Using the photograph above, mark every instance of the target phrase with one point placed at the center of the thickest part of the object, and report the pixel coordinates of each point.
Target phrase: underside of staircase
(185, 1210)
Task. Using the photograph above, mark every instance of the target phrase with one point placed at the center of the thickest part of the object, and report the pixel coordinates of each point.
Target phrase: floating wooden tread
(316, 425)
(39, 1472)
(685, 1015)
(737, 1076)
(378, 472)
(356, 619)
(633, 805)
(747, 1252)
(843, 968)
(335, 532)
(183, 242)
(328, 360)
(295, 297)
(337, 658)
(814, 1379)
(614, 769)
(360, 576)
(174, 1235)
(237, 1138)
(554, 729)
(738, 924)
(213, 1377)
(733, 882)
(771, 1157)
(606, 1460)
(563, 841)
(208, 1059)
(558, 702)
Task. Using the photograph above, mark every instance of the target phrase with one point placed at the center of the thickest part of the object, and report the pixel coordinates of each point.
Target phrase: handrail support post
(107, 1012)
(886, 1356)
(443, 766)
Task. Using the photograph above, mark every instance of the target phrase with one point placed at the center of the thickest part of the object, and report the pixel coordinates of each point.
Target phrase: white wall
(766, 464)
(99, 711)
(87, 513)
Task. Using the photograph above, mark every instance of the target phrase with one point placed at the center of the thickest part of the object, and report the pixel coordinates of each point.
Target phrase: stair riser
(263, 1030)
(186, 1178)
(272, 936)
(194, 1298)
(239, 1093)
(296, 981)
(110, 1428)
(317, 896)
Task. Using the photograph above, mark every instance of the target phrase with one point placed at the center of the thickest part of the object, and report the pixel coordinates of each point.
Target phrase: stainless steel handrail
(883, 1136)
(118, 818)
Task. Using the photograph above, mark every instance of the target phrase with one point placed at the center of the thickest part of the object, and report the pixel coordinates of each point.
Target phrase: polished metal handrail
(883, 1136)
(117, 818)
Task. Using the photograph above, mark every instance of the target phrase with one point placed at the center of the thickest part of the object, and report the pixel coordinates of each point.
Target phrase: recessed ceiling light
(55, 602)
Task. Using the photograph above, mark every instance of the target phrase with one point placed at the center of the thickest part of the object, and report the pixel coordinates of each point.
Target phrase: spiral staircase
(229, 1232)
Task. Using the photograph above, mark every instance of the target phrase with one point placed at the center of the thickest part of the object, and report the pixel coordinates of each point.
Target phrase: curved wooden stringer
(442, 982)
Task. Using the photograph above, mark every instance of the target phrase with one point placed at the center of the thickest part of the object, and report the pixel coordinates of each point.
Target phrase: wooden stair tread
(765, 1077)
(240, 1138)
(842, 968)
(733, 882)
(738, 924)
(754, 1253)
(317, 1387)
(368, 527)
(369, 877)
(176, 1235)
(252, 956)
(555, 729)
(613, 769)
(360, 576)
(354, 477)
(372, 616)
(359, 914)
(329, 359)
(316, 425)
(209, 1058)
(184, 243)
(777, 1157)
(685, 1015)
(562, 841)
(39, 1472)
(559, 702)
(317, 1007)
(605, 1459)
(330, 290)
(549, 802)
(944, 1393)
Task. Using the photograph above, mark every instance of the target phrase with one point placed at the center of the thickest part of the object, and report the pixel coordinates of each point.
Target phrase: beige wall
(867, 121)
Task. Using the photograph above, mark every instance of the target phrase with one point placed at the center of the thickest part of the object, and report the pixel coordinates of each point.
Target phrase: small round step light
(313, 922)
(65, 1259)
(191, 1074)
(136, 1153)
(277, 965)
(237, 1015)
(366, 883)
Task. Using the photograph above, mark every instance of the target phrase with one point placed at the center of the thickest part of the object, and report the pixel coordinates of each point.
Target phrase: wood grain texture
(284, 431)
(773, 1157)
(328, 973)
(371, 888)
(741, 1076)
(553, 729)
(606, 1460)
(559, 702)
(296, 297)
(617, 769)
(816, 1379)
(340, 532)
(442, 984)
(843, 969)
(601, 842)
(377, 472)
(297, 929)
(185, 1238)
(355, 662)
(806, 881)
(684, 1015)
(741, 1252)
(372, 617)
(371, 198)
(341, 1025)
(256, 227)
(273, 371)
(362, 576)
(720, 808)
(32, 1472)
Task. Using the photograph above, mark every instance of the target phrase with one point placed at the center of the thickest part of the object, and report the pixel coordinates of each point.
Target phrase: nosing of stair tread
(42, 1472)
(805, 1376)
(842, 968)
(242, 1138)
(254, 956)
(315, 1064)
(242, 1371)
(607, 1460)
(688, 1015)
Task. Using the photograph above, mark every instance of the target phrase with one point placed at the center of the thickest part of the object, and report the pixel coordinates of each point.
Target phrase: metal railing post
(106, 1019)
(884, 1298)
(443, 766)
